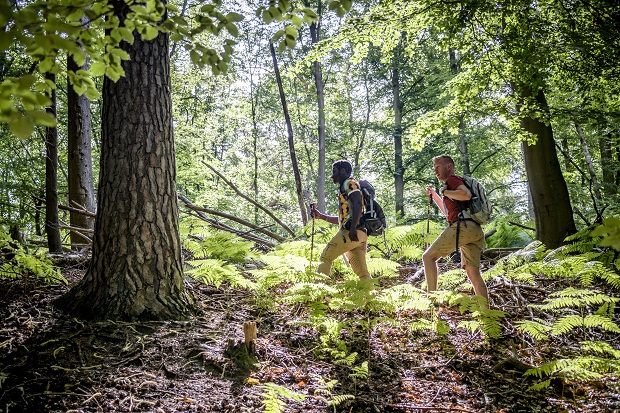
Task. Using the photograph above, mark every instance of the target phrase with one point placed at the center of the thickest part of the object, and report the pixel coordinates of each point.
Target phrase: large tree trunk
(552, 208)
(291, 143)
(399, 169)
(52, 227)
(136, 270)
(80, 166)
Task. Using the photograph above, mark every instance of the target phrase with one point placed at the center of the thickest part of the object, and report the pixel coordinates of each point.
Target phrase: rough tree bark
(80, 164)
(454, 69)
(136, 269)
(552, 208)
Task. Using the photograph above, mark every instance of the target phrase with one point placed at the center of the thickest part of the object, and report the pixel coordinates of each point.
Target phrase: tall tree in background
(80, 167)
(52, 225)
(291, 142)
(136, 269)
(315, 33)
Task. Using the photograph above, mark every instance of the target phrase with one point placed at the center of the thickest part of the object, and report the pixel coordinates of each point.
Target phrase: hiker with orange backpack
(462, 232)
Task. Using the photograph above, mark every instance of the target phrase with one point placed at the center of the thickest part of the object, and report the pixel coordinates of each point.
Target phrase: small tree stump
(249, 331)
(243, 354)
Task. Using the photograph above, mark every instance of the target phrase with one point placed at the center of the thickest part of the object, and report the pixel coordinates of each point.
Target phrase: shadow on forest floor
(50, 363)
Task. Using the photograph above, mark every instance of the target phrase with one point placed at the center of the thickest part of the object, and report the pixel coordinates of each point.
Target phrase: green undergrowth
(18, 263)
(578, 309)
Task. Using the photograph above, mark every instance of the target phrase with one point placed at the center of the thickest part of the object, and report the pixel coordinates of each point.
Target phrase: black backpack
(373, 218)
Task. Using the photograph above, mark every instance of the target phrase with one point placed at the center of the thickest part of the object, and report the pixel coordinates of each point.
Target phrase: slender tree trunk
(52, 229)
(454, 69)
(609, 184)
(136, 270)
(552, 208)
(291, 142)
(586, 153)
(315, 29)
(80, 166)
(399, 170)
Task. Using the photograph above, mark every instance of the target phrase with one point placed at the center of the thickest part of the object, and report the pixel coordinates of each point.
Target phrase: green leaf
(120, 53)
(172, 8)
(234, 17)
(297, 21)
(278, 35)
(195, 56)
(334, 5)
(98, 68)
(21, 126)
(127, 34)
(6, 39)
(232, 29)
(150, 33)
(267, 17)
(42, 117)
(46, 64)
(176, 37)
(292, 32)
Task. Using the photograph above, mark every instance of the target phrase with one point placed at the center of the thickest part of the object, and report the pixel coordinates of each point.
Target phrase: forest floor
(52, 363)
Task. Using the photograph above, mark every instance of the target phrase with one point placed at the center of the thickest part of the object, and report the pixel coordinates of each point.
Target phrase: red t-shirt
(453, 182)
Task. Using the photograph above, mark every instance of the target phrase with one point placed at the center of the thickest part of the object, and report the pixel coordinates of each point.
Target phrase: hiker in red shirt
(470, 235)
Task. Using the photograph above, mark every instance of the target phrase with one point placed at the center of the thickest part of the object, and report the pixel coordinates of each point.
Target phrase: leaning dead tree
(250, 200)
(201, 213)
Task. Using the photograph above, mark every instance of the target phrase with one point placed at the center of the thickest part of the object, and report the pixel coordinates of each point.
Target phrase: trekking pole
(428, 221)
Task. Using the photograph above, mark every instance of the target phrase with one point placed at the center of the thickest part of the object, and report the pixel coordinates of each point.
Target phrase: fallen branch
(193, 207)
(218, 225)
(247, 198)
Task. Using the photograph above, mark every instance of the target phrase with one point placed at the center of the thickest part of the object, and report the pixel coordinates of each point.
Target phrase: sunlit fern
(280, 269)
(595, 312)
(575, 298)
(488, 320)
(212, 271)
(598, 359)
(272, 394)
(34, 266)
(222, 245)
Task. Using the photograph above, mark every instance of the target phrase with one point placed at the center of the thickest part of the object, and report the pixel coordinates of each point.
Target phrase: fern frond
(308, 293)
(471, 325)
(348, 360)
(538, 329)
(575, 298)
(380, 267)
(568, 323)
(360, 372)
(282, 269)
(338, 400)
(600, 347)
(548, 369)
(440, 327)
(212, 271)
(401, 297)
(271, 394)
